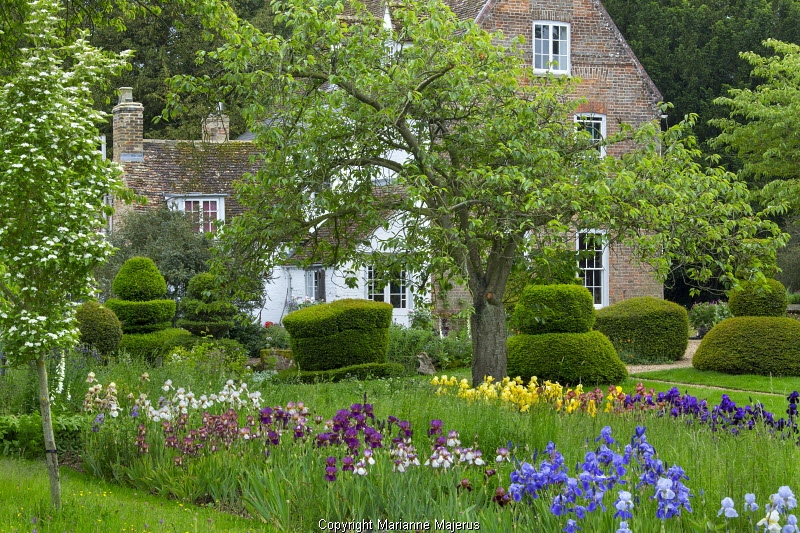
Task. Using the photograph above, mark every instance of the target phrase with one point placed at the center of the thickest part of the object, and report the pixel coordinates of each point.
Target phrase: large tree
(484, 159)
(52, 183)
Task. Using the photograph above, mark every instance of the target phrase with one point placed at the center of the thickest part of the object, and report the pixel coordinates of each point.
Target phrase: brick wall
(627, 278)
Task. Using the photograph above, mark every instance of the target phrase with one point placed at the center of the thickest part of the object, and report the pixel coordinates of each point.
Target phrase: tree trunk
(49, 437)
(489, 352)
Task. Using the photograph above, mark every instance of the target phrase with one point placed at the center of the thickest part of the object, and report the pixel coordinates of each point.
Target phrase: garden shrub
(150, 346)
(208, 356)
(751, 300)
(569, 358)
(202, 312)
(139, 280)
(99, 327)
(252, 335)
(705, 315)
(342, 333)
(554, 309)
(768, 346)
(21, 435)
(277, 337)
(648, 328)
(143, 317)
(451, 351)
(360, 372)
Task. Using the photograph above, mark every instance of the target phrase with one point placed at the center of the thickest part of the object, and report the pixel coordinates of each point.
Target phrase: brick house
(565, 37)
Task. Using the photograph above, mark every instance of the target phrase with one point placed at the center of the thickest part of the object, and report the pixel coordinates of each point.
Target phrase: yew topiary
(767, 346)
(554, 309)
(99, 327)
(203, 313)
(750, 299)
(569, 358)
(139, 280)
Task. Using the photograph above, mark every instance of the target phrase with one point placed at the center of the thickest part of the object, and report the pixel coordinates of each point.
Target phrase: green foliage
(252, 335)
(753, 299)
(341, 315)
(568, 358)
(653, 328)
(99, 327)
(705, 315)
(554, 309)
(691, 50)
(211, 357)
(485, 165)
(165, 236)
(793, 297)
(21, 435)
(203, 312)
(139, 280)
(151, 345)
(452, 351)
(756, 131)
(345, 348)
(360, 372)
(751, 345)
(277, 337)
(143, 317)
(342, 333)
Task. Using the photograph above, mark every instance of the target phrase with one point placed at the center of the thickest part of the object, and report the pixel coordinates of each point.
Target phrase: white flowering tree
(52, 183)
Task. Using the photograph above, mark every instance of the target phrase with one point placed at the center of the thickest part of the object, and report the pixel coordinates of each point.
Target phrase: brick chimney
(216, 127)
(128, 128)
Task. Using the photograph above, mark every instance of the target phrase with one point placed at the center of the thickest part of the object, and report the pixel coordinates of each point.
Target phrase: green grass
(92, 505)
(771, 385)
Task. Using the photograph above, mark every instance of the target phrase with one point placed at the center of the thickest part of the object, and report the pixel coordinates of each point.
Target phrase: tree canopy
(483, 158)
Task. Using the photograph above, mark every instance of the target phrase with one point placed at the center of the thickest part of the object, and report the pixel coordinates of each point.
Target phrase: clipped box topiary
(204, 314)
(342, 333)
(99, 327)
(554, 309)
(143, 317)
(767, 346)
(650, 328)
(569, 358)
(139, 280)
(751, 300)
(150, 346)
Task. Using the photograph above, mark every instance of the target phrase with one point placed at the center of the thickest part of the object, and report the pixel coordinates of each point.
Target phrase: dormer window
(202, 210)
(551, 47)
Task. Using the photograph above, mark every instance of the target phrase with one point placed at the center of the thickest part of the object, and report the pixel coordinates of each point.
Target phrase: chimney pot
(125, 94)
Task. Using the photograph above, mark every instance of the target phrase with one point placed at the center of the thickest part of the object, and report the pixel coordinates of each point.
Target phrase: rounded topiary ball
(99, 327)
(646, 327)
(554, 309)
(767, 346)
(201, 287)
(139, 280)
(569, 358)
(751, 300)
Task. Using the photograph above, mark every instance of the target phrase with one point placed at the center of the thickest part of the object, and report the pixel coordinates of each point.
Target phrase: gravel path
(682, 363)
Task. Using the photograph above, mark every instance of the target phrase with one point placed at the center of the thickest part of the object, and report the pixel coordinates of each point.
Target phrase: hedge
(569, 358)
(99, 327)
(554, 309)
(768, 346)
(143, 317)
(152, 345)
(344, 348)
(341, 315)
(751, 300)
(650, 328)
(139, 280)
(360, 372)
(21, 435)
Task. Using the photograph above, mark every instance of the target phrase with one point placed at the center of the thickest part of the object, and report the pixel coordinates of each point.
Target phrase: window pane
(591, 268)
(209, 214)
(192, 210)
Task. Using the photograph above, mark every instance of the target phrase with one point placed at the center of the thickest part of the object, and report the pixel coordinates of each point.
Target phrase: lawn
(781, 386)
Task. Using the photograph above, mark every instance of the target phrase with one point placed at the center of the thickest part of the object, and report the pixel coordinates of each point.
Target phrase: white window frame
(600, 121)
(178, 202)
(598, 292)
(314, 278)
(548, 63)
(377, 293)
